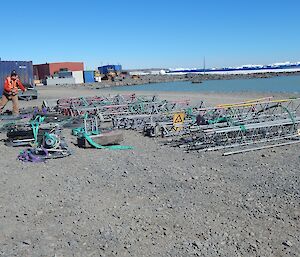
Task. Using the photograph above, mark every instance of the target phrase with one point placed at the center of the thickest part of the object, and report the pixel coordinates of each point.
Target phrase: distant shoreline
(196, 78)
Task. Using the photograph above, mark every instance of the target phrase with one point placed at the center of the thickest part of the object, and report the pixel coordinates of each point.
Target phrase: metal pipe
(260, 148)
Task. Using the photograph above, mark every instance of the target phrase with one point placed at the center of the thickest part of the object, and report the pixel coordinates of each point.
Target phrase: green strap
(137, 107)
(111, 147)
(189, 111)
(290, 114)
(217, 120)
(35, 124)
(77, 131)
(85, 102)
(243, 128)
(80, 132)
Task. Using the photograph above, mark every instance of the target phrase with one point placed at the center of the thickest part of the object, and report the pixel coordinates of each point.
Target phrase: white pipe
(260, 148)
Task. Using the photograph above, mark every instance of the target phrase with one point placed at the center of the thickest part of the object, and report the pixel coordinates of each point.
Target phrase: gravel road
(153, 200)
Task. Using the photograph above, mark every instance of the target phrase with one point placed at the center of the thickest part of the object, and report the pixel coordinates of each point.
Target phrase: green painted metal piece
(111, 147)
(35, 124)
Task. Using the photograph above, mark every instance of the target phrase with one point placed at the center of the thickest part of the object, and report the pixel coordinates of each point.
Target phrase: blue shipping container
(23, 69)
(109, 68)
(89, 76)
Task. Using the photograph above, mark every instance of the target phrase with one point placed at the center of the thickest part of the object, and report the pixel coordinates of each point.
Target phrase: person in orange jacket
(10, 92)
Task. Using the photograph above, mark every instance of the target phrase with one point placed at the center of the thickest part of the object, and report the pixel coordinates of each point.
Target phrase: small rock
(169, 206)
(287, 243)
(26, 242)
(196, 244)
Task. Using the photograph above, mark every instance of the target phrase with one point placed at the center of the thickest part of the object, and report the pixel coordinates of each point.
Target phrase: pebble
(196, 244)
(169, 206)
(287, 243)
(26, 242)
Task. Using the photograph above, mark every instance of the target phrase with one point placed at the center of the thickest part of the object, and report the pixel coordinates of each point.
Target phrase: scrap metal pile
(195, 127)
(111, 107)
(41, 137)
(235, 125)
(125, 111)
(96, 122)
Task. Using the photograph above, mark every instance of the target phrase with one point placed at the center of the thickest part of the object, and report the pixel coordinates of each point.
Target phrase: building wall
(78, 76)
(72, 66)
(60, 81)
(41, 71)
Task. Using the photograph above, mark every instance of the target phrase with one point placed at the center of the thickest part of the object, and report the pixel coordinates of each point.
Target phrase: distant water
(288, 84)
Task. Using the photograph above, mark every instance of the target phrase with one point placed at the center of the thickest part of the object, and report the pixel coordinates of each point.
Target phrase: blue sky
(144, 34)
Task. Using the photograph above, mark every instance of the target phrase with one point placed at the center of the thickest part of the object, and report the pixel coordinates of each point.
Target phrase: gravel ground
(153, 200)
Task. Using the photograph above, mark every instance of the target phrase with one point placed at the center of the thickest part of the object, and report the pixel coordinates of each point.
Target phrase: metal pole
(260, 148)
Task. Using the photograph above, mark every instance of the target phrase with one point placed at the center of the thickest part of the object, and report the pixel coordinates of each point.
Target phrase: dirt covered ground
(153, 200)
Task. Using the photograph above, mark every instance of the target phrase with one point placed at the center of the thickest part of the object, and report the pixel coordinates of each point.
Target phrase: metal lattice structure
(73, 106)
(242, 124)
(118, 106)
(141, 122)
(232, 115)
(245, 113)
(227, 125)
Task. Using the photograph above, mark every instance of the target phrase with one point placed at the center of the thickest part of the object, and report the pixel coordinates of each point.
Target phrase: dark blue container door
(23, 69)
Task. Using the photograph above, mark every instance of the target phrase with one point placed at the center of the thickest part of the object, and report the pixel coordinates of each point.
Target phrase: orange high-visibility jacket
(13, 85)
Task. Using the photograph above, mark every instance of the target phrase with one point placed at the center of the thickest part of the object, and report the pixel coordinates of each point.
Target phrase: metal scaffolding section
(75, 102)
(246, 134)
(192, 127)
(251, 112)
(230, 115)
(243, 124)
(107, 110)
